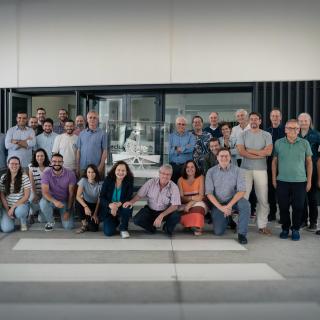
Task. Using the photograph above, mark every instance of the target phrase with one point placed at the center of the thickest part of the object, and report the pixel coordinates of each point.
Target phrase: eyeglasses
(14, 164)
(181, 124)
(56, 162)
(293, 128)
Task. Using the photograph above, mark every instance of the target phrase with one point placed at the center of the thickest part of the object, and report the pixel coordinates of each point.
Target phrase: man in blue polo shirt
(91, 145)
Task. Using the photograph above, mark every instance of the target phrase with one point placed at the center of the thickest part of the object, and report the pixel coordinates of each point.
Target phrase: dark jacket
(107, 192)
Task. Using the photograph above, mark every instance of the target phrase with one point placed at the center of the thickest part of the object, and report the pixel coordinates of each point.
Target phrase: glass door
(18, 102)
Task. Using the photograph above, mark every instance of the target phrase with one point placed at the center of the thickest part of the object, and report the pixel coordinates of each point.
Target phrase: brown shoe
(265, 231)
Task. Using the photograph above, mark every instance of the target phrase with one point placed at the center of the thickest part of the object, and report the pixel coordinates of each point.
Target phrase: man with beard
(46, 139)
(80, 124)
(63, 117)
(58, 185)
(255, 145)
(66, 144)
(33, 123)
(41, 116)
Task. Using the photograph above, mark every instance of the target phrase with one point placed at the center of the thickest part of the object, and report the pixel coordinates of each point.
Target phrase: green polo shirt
(292, 159)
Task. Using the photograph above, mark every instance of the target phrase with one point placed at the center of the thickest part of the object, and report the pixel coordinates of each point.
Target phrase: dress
(195, 216)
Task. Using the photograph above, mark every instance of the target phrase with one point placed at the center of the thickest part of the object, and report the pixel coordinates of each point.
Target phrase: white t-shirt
(236, 132)
(66, 146)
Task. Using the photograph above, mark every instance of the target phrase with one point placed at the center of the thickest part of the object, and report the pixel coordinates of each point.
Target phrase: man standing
(58, 127)
(214, 128)
(20, 140)
(163, 200)
(46, 139)
(181, 146)
(313, 137)
(66, 145)
(91, 145)
(41, 116)
(292, 161)
(80, 124)
(255, 145)
(202, 142)
(277, 132)
(3, 151)
(242, 119)
(33, 123)
(210, 159)
(225, 189)
(58, 185)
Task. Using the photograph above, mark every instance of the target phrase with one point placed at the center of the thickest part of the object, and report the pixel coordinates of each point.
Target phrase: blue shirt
(186, 142)
(225, 183)
(91, 144)
(24, 154)
(45, 141)
(3, 151)
(313, 137)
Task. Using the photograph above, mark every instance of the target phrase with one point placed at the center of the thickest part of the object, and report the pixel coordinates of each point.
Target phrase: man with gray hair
(181, 146)
(163, 199)
(313, 137)
(214, 128)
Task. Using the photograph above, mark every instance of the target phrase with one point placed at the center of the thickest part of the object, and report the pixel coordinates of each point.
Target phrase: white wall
(100, 42)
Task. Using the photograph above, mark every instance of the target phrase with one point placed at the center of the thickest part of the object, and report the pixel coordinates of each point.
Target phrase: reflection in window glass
(203, 104)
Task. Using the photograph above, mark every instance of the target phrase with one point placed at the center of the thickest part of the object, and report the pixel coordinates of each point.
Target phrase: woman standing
(191, 186)
(15, 191)
(40, 162)
(87, 199)
(117, 189)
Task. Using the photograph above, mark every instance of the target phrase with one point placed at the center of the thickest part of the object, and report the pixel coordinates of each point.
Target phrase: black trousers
(92, 226)
(311, 202)
(177, 171)
(294, 194)
(271, 192)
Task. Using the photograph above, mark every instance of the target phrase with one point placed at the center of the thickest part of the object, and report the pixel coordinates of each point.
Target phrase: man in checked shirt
(163, 200)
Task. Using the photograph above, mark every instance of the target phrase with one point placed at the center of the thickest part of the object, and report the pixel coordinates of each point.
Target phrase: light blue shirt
(24, 154)
(187, 143)
(3, 151)
(46, 141)
(91, 144)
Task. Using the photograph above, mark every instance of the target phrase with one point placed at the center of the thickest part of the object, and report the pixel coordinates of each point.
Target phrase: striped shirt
(12, 198)
(160, 200)
(37, 175)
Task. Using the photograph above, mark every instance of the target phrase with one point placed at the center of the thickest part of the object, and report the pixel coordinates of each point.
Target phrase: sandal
(83, 229)
(265, 231)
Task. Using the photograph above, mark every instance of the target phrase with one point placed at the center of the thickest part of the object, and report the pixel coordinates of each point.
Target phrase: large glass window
(203, 104)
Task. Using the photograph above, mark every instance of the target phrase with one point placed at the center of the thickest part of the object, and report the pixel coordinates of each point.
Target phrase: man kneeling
(163, 200)
(225, 189)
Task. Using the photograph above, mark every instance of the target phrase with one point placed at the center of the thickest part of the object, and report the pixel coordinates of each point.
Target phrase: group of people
(220, 170)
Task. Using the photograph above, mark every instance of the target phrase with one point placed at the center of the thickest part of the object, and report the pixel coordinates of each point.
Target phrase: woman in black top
(117, 188)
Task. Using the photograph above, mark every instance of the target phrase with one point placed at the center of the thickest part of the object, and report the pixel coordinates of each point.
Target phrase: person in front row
(163, 200)
(15, 191)
(87, 199)
(291, 177)
(58, 184)
(225, 189)
(117, 190)
(191, 187)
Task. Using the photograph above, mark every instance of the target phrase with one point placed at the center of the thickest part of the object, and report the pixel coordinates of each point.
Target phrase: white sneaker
(124, 234)
(23, 227)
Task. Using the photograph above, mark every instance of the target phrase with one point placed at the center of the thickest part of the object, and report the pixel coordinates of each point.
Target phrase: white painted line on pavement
(128, 245)
(136, 272)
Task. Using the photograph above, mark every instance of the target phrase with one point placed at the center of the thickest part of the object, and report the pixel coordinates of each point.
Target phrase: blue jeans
(47, 209)
(111, 223)
(220, 222)
(21, 212)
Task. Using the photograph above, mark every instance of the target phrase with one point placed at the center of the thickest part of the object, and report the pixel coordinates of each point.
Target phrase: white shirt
(66, 146)
(236, 132)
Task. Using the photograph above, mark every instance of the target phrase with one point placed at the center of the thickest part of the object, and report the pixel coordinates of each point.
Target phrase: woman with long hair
(40, 162)
(191, 187)
(117, 189)
(14, 192)
(87, 199)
